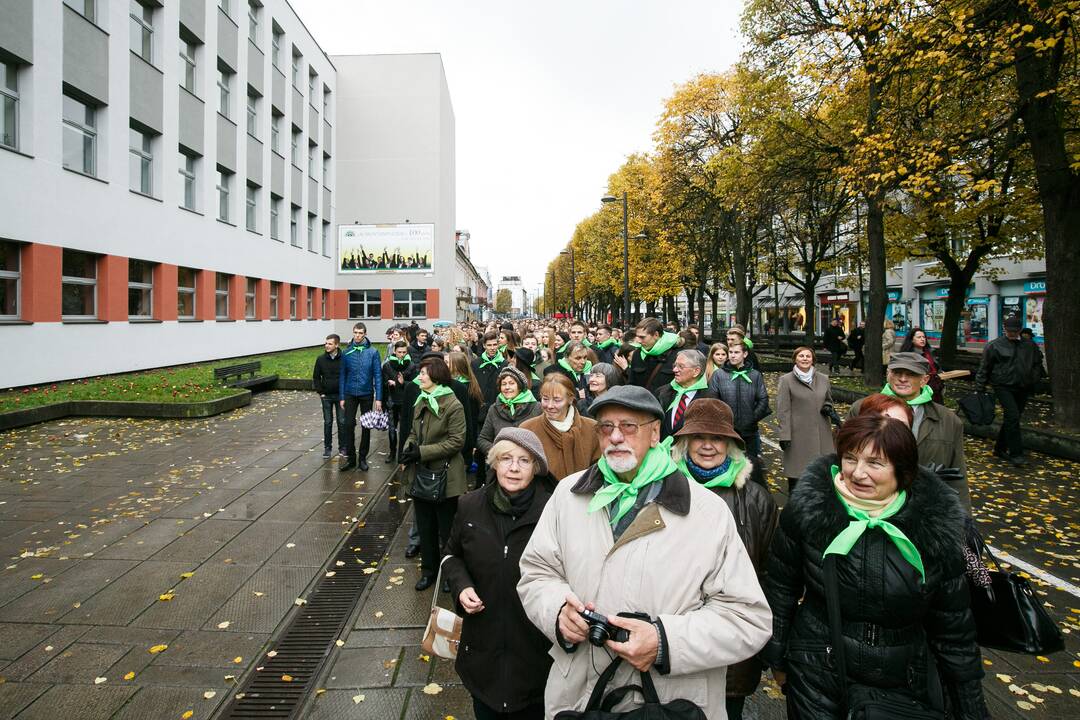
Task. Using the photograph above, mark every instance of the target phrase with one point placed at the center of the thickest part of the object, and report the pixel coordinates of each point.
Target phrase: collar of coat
(931, 518)
(675, 495)
(542, 488)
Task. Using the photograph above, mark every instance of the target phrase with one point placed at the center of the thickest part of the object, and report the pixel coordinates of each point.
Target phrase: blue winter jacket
(361, 371)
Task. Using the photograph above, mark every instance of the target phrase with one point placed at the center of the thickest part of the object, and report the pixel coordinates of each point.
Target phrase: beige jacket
(681, 561)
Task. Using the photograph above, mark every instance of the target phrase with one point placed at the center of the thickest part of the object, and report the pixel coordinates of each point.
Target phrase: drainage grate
(305, 643)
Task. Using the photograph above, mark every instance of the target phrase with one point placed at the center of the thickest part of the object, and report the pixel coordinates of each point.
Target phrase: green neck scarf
(606, 344)
(744, 374)
(502, 348)
(565, 365)
(656, 465)
(725, 479)
(925, 395)
(496, 361)
(525, 396)
(842, 543)
(432, 396)
(665, 343)
(535, 377)
(403, 361)
(749, 343)
(462, 379)
(699, 384)
(587, 342)
(355, 348)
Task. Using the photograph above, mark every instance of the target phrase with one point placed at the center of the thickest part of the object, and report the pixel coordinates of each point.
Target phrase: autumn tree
(503, 301)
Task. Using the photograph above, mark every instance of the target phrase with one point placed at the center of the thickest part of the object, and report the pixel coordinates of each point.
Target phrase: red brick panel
(237, 289)
(284, 302)
(112, 288)
(301, 302)
(165, 292)
(41, 268)
(316, 305)
(339, 304)
(433, 303)
(386, 304)
(262, 300)
(204, 294)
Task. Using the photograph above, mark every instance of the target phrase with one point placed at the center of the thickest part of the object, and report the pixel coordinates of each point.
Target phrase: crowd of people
(596, 499)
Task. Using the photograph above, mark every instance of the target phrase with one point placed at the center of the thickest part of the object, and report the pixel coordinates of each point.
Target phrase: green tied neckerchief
(842, 543)
(502, 349)
(562, 349)
(416, 381)
(925, 395)
(402, 361)
(657, 465)
(355, 348)
(535, 377)
(606, 344)
(725, 479)
(496, 361)
(525, 396)
(665, 343)
(587, 342)
(432, 396)
(464, 379)
(744, 374)
(699, 384)
(749, 343)
(565, 365)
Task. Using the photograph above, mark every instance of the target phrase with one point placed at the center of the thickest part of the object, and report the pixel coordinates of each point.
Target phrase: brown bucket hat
(707, 416)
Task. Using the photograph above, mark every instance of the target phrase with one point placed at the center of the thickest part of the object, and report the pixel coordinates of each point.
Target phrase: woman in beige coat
(888, 340)
(805, 434)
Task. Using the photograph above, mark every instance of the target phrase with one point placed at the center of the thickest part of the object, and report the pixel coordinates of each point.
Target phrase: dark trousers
(753, 453)
(835, 358)
(1012, 400)
(352, 404)
(857, 361)
(483, 712)
(330, 409)
(433, 521)
(734, 706)
(397, 412)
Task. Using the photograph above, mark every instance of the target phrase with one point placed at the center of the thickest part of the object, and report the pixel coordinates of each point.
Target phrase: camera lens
(598, 634)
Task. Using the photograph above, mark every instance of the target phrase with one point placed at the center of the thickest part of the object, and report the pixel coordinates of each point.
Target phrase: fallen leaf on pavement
(432, 689)
(158, 648)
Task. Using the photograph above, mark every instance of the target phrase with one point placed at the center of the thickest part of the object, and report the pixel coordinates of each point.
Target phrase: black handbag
(864, 702)
(977, 407)
(428, 484)
(600, 704)
(1008, 614)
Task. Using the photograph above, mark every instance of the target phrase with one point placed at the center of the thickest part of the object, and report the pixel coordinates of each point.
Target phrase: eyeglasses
(627, 429)
(523, 462)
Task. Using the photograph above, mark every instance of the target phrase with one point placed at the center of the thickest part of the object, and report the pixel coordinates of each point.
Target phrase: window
(224, 90)
(185, 293)
(140, 289)
(310, 304)
(249, 298)
(294, 229)
(78, 295)
(142, 30)
(9, 105)
(86, 8)
(253, 21)
(275, 46)
(275, 290)
(252, 202)
(275, 218)
(295, 147)
(186, 168)
(293, 292)
(9, 280)
(323, 315)
(252, 114)
(275, 133)
(326, 102)
(326, 238)
(140, 161)
(297, 58)
(221, 296)
(80, 136)
(326, 170)
(312, 84)
(410, 303)
(311, 232)
(223, 183)
(365, 304)
(313, 160)
(187, 66)
(225, 5)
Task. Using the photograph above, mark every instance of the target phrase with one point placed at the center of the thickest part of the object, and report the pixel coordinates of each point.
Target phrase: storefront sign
(893, 295)
(834, 298)
(1035, 286)
(943, 292)
(978, 301)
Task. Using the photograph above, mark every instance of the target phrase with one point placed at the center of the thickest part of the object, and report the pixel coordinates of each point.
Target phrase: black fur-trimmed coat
(890, 617)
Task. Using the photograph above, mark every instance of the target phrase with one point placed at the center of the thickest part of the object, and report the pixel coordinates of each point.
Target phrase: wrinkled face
(508, 387)
(597, 383)
(647, 340)
(707, 451)
(919, 339)
(868, 474)
(491, 347)
(804, 360)
(577, 359)
(736, 354)
(577, 332)
(358, 334)
(401, 352)
(602, 335)
(330, 345)
(530, 342)
(514, 470)
(631, 435)
(719, 356)
(685, 371)
(906, 384)
(425, 382)
(554, 404)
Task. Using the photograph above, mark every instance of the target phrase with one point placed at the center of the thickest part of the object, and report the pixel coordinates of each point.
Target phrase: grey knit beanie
(519, 377)
(528, 440)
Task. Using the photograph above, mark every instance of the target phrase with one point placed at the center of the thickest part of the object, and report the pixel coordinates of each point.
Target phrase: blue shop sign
(1035, 286)
(893, 295)
(943, 292)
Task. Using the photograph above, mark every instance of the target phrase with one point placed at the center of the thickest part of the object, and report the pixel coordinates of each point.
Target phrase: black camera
(600, 630)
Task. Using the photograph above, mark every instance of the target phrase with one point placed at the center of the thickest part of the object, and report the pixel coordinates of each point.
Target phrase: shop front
(897, 310)
(837, 305)
(1024, 300)
(973, 326)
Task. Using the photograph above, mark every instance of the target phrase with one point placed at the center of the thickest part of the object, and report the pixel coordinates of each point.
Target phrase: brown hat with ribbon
(707, 416)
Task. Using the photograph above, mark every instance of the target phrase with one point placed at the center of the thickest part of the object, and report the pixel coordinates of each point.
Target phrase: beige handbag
(442, 636)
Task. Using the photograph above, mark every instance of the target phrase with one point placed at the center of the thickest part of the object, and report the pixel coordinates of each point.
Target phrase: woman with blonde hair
(716, 359)
(569, 439)
(461, 372)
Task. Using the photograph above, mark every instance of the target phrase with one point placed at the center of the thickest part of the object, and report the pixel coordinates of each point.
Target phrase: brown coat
(568, 452)
(798, 410)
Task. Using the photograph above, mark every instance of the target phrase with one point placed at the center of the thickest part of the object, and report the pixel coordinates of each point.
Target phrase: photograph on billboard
(404, 247)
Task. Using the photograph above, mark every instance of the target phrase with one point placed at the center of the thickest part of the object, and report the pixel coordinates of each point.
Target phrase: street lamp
(573, 282)
(554, 297)
(625, 254)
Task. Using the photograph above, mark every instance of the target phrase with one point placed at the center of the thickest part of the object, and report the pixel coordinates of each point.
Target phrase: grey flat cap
(631, 397)
(528, 440)
(911, 361)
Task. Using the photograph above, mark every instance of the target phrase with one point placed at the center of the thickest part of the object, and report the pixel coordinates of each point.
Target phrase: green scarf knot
(744, 374)
(667, 341)
(606, 344)
(565, 365)
(656, 465)
(521, 398)
(699, 384)
(842, 543)
(725, 479)
(401, 361)
(464, 379)
(925, 395)
(496, 361)
(430, 397)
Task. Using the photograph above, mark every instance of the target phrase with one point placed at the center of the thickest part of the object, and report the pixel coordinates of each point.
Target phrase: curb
(1044, 441)
(292, 384)
(123, 408)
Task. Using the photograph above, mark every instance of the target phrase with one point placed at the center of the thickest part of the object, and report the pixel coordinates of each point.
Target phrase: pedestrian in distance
(1012, 365)
(688, 386)
(359, 389)
(503, 659)
(421, 343)
(650, 366)
(834, 343)
(895, 534)
(397, 372)
(803, 412)
(888, 342)
(514, 404)
(325, 380)
(632, 534)
(743, 388)
(569, 438)
(856, 340)
(709, 452)
(916, 341)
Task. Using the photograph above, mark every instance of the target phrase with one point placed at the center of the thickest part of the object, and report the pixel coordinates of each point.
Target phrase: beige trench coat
(798, 410)
(681, 561)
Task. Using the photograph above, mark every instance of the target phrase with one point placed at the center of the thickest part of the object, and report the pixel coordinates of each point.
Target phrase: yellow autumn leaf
(129, 676)
(186, 575)
(432, 689)
(158, 648)
(238, 659)
(1042, 658)
(1024, 705)
(187, 714)
(209, 694)
(286, 678)
(357, 699)
(165, 597)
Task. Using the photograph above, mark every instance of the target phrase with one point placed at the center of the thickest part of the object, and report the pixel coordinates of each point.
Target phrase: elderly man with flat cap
(632, 534)
(939, 432)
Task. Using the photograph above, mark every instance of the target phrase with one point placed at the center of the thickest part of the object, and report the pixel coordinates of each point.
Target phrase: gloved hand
(410, 455)
(785, 445)
(948, 474)
(829, 411)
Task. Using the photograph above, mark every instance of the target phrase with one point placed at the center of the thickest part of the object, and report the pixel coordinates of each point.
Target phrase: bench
(238, 371)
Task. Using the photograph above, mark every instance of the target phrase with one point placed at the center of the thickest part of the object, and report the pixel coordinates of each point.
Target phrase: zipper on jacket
(506, 549)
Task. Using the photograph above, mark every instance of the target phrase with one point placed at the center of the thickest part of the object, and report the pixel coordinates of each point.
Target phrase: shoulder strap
(596, 698)
(832, 603)
(438, 584)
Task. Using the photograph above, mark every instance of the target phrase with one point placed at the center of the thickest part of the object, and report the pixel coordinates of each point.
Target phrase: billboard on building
(404, 247)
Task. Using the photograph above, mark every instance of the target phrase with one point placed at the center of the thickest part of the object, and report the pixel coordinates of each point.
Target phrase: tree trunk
(873, 372)
(690, 315)
(811, 315)
(650, 307)
(954, 306)
(715, 299)
(701, 307)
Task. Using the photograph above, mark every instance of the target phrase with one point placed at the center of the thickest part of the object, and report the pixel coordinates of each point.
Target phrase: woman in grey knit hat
(514, 404)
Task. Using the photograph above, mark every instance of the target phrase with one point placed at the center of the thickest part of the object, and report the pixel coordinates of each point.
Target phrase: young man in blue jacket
(359, 386)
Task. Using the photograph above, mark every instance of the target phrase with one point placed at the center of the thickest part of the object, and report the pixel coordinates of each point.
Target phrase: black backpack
(978, 408)
(600, 704)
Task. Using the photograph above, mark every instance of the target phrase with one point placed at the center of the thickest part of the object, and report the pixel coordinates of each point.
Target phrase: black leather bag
(428, 484)
(600, 704)
(978, 408)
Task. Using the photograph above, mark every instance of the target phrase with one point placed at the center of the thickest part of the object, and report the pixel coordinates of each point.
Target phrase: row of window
(367, 304)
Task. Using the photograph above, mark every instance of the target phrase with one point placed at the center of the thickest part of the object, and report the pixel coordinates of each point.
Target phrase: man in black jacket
(486, 368)
(1012, 365)
(651, 365)
(421, 345)
(834, 343)
(856, 339)
(324, 380)
(397, 371)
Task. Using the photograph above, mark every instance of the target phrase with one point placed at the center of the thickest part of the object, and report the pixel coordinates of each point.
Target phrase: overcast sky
(549, 98)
